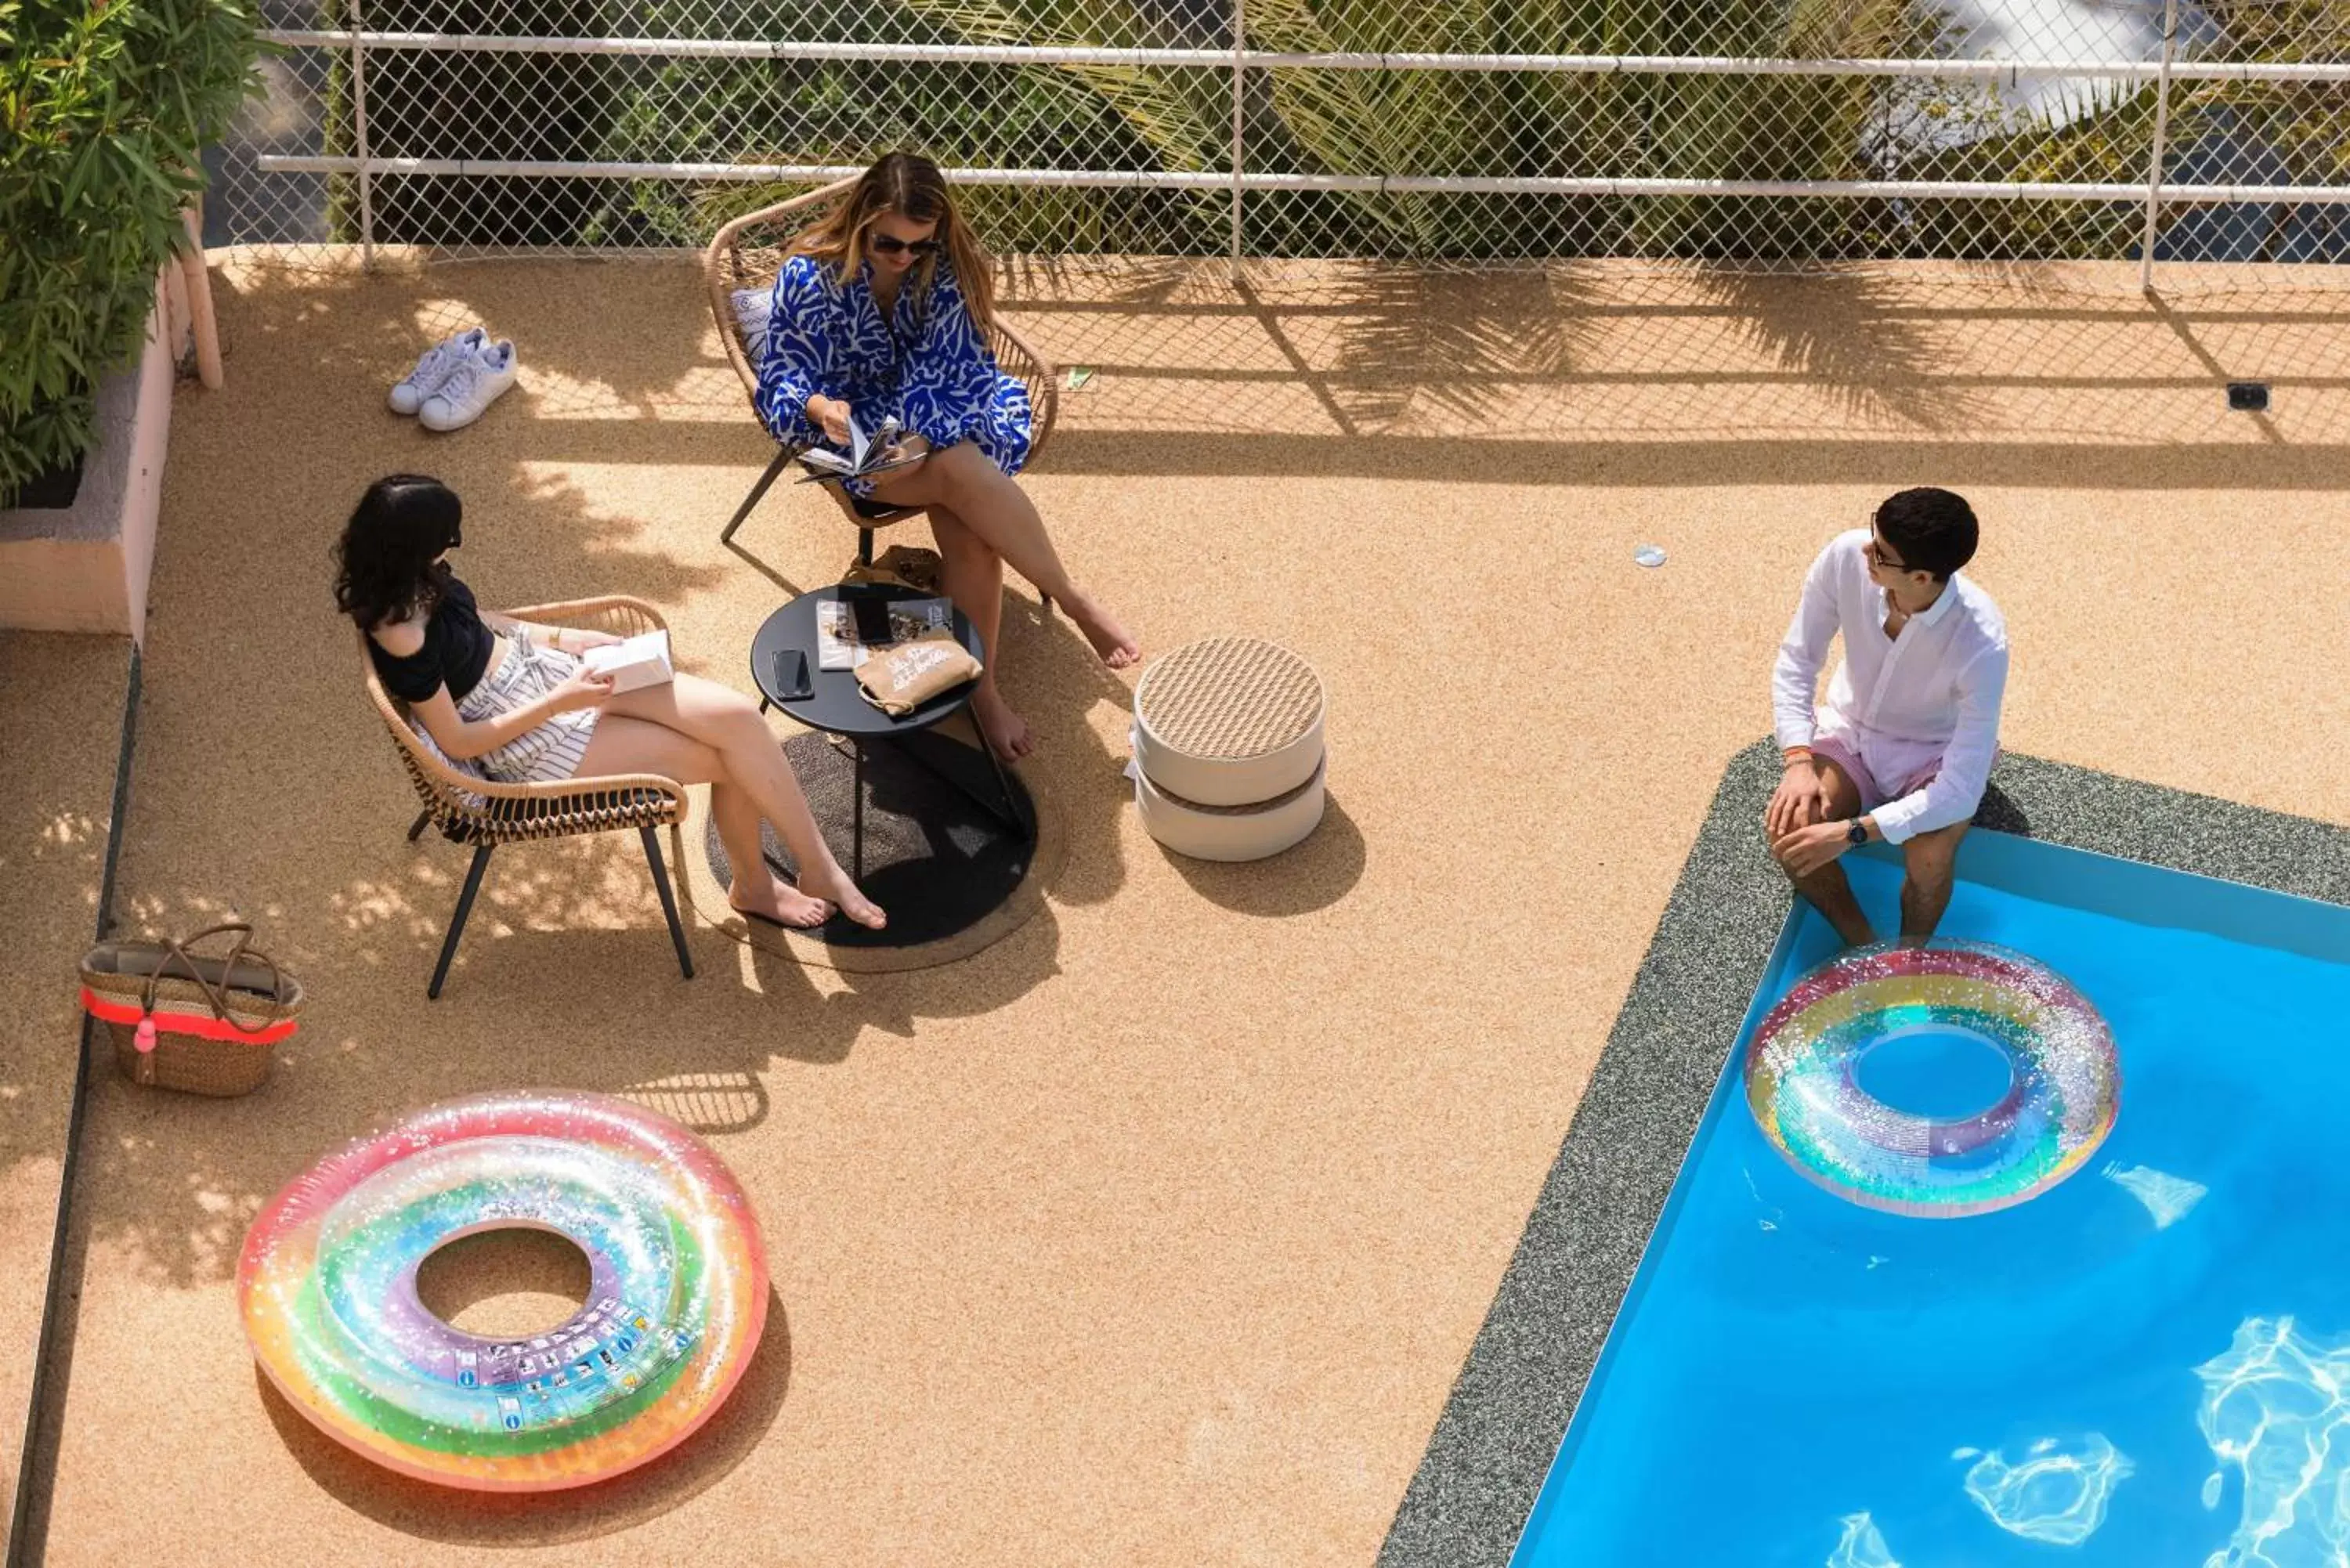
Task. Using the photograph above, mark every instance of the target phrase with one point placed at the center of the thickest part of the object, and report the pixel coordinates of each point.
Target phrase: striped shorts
(540, 756)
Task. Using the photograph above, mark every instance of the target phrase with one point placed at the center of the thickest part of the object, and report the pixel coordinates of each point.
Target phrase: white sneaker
(409, 394)
(478, 381)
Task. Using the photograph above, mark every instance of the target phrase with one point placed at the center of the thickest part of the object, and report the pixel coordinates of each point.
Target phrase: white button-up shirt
(1904, 703)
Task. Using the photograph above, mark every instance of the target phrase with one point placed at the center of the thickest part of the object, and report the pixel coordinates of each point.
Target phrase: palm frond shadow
(1456, 345)
(1841, 331)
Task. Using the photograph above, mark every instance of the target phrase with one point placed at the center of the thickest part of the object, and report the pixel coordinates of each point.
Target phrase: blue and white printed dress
(929, 365)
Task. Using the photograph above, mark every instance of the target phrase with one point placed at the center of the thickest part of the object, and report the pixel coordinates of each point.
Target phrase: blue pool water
(2147, 1365)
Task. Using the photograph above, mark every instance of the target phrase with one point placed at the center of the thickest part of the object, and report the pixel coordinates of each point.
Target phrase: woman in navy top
(513, 699)
(882, 309)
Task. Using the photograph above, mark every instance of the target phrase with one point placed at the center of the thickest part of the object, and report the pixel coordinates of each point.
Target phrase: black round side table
(837, 707)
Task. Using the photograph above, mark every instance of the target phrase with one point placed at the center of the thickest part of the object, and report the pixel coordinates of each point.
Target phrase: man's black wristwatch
(1856, 834)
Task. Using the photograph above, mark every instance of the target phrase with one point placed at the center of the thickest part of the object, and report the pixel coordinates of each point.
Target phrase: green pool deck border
(1510, 1405)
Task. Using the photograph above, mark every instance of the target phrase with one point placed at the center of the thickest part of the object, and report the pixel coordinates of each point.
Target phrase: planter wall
(85, 568)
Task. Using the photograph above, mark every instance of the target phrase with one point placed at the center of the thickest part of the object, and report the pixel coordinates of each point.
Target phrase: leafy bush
(105, 104)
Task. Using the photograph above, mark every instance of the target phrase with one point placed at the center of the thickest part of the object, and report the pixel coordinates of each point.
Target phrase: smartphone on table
(792, 683)
(872, 615)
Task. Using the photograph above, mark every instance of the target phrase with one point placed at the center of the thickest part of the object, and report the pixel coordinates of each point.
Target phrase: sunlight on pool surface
(2145, 1364)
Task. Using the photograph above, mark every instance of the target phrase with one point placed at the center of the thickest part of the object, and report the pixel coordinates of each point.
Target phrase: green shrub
(103, 106)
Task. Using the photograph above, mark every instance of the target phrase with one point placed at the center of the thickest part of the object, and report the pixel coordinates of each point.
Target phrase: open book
(868, 453)
(640, 660)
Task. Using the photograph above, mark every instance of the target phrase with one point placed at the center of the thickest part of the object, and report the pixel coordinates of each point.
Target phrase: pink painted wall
(73, 571)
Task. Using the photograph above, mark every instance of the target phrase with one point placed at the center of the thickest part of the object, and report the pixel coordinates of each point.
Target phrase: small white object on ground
(432, 367)
(1649, 555)
(477, 381)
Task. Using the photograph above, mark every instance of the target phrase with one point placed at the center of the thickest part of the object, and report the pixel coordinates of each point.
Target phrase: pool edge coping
(1548, 1325)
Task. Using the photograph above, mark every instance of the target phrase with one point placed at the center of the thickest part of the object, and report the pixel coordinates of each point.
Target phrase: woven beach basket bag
(200, 1024)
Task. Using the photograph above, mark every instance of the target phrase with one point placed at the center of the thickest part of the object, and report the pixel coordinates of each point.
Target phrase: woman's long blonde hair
(909, 185)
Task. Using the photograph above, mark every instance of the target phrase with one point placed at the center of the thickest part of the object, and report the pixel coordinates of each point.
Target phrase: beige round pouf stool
(1228, 749)
(1229, 832)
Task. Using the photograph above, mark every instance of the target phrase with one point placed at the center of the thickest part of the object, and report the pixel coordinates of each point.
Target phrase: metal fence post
(2161, 133)
(360, 137)
(1240, 50)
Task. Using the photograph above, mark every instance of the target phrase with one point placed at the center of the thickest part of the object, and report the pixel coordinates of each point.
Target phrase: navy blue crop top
(457, 650)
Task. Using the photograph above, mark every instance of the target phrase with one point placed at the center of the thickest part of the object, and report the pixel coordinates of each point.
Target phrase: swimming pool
(2146, 1365)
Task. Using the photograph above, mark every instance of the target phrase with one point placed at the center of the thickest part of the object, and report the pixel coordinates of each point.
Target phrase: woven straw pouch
(900, 679)
(202, 1025)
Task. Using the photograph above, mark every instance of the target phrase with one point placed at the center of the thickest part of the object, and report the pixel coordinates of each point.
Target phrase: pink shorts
(1873, 791)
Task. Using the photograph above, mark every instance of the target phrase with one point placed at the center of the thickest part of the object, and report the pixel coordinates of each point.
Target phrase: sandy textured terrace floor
(61, 701)
(1157, 1233)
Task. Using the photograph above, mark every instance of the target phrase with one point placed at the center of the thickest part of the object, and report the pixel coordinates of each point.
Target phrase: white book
(637, 661)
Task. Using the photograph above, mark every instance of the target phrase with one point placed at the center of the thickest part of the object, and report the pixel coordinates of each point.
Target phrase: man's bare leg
(1932, 862)
(1828, 888)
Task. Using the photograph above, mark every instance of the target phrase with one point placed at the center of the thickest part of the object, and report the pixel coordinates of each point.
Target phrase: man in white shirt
(1902, 747)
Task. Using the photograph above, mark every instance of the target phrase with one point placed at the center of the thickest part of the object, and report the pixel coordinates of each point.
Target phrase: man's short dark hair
(1932, 530)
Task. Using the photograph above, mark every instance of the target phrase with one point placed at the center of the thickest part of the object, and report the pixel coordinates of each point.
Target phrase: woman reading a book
(881, 312)
(516, 700)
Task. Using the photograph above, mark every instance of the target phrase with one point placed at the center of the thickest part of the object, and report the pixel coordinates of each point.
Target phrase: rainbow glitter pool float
(2063, 1092)
(676, 1302)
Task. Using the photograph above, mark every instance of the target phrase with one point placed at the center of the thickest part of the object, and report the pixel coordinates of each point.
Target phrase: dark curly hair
(385, 566)
(1933, 530)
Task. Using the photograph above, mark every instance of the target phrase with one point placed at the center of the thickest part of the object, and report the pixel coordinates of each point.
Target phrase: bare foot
(1115, 646)
(830, 881)
(1005, 732)
(780, 902)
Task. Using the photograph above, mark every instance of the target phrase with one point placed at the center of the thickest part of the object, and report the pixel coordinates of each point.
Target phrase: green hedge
(106, 105)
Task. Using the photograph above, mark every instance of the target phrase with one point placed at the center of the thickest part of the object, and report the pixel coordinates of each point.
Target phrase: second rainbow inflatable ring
(2064, 1093)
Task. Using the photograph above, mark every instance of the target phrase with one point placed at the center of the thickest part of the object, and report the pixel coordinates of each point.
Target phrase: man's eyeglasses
(890, 245)
(1877, 554)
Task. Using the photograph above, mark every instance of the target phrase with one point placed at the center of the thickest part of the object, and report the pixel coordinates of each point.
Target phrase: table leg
(857, 831)
(1008, 812)
(1026, 828)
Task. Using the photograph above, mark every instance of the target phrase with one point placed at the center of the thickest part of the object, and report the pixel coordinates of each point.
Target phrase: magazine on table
(867, 454)
(837, 646)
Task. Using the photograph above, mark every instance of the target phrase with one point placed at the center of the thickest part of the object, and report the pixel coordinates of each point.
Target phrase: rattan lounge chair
(748, 254)
(485, 812)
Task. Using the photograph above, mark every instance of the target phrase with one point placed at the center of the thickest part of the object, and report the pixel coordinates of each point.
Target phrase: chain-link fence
(1768, 133)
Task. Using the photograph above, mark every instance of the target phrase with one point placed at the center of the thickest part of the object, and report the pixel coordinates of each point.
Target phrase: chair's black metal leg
(758, 490)
(668, 898)
(865, 546)
(457, 925)
(416, 830)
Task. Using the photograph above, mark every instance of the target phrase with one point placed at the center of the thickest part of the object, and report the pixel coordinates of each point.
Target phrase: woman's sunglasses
(890, 245)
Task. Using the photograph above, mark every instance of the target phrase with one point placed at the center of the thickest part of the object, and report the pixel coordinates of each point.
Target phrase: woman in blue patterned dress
(883, 308)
